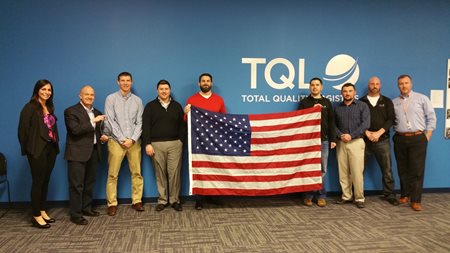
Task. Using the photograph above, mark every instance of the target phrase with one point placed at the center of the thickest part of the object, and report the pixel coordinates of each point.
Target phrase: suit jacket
(32, 132)
(80, 134)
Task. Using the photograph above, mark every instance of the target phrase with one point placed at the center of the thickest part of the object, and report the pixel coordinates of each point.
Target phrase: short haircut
(403, 76)
(161, 82)
(316, 79)
(124, 74)
(348, 85)
(204, 74)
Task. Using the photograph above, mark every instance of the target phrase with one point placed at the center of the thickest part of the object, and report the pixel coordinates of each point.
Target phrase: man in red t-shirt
(205, 99)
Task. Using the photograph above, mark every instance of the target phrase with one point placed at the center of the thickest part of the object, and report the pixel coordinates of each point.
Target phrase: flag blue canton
(220, 134)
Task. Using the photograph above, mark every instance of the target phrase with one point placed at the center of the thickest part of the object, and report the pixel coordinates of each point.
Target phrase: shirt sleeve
(138, 124)
(390, 115)
(430, 115)
(146, 126)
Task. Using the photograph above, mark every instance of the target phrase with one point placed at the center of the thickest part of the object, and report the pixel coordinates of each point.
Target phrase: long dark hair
(35, 97)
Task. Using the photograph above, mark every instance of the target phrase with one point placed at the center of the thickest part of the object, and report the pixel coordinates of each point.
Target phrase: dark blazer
(32, 132)
(80, 134)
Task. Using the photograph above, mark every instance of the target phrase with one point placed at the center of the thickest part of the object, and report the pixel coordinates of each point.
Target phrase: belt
(410, 133)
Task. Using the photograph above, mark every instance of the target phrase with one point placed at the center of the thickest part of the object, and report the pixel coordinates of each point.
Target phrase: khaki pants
(350, 158)
(115, 157)
(167, 165)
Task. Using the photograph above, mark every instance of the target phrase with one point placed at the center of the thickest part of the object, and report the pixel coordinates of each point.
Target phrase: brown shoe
(416, 206)
(404, 200)
(307, 202)
(138, 207)
(112, 210)
(321, 202)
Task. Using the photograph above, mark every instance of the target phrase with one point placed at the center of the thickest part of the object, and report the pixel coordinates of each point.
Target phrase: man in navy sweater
(163, 133)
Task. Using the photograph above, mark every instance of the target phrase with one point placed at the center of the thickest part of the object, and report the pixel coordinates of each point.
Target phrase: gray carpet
(270, 224)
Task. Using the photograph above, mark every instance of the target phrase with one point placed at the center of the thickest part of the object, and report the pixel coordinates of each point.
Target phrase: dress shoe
(404, 200)
(91, 213)
(198, 204)
(160, 207)
(112, 210)
(307, 202)
(359, 204)
(321, 202)
(177, 206)
(416, 206)
(51, 220)
(138, 207)
(36, 224)
(342, 201)
(393, 201)
(79, 220)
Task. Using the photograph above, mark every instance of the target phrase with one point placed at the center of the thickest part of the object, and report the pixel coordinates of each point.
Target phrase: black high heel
(36, 224)
(51, 220)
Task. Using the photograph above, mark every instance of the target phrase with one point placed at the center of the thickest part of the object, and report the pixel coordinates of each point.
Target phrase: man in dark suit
(83, 153)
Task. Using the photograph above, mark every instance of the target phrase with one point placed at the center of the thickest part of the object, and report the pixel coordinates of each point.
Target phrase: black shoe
(51, 220)
(198, 204)
(91, 213)
(177, 206)
(36, 224)
(359, 204)
(393, 201)
(79, 220)
(160, 207)
(342, 201)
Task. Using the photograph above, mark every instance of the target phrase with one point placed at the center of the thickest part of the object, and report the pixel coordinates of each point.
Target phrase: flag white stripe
(295, 119)
(257, 185)
(255, 159)
(252, 172)
(287, 144)
(287, 132)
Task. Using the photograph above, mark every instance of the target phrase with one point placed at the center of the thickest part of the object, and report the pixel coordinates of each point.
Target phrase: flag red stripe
(282, 115)
(285, 151)
(303, 136)
(270, 165)
(256, 192)
(254, 178)
(312, 122)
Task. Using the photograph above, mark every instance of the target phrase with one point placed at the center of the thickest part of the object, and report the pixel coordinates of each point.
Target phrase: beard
(348, 99)
(205, 89)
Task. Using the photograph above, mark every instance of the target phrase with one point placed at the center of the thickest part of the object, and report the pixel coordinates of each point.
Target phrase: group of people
(126, 126)
(357, 128)
(360, 129)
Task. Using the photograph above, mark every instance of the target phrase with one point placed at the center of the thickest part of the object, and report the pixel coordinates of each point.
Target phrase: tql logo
(340, 69)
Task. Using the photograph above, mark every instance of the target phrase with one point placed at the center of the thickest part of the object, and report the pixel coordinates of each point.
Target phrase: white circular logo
(342, 69)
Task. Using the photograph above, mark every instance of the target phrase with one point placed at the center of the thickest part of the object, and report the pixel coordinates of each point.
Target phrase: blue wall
(73, 43)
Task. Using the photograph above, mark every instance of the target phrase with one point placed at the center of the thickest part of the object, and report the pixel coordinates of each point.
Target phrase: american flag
(256, 154)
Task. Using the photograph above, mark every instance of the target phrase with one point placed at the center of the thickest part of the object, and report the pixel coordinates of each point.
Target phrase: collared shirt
(353, 119)
(164, 104)
(414, 113)
(381, 114)
(90, 112)
(124, 116)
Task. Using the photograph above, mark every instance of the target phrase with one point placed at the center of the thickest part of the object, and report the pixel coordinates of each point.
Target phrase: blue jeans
(382, 152)
(322, 193)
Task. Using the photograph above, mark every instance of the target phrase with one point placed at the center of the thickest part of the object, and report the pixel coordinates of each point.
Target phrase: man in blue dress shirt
(352, 120)
(415, 121)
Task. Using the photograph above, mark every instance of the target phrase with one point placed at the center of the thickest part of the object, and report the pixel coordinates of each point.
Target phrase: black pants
(410, 153)
(41, 169)
(81, 177)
